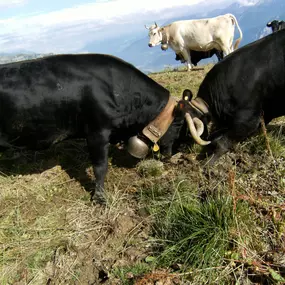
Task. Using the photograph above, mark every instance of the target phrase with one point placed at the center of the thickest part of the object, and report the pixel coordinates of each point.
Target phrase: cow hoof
(98, 198)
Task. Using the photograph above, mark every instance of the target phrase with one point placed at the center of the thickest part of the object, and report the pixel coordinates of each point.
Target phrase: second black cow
(276, 25)
(196, 56)
(238, 92)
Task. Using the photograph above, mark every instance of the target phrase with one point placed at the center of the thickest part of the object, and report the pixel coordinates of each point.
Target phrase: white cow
(199, 35)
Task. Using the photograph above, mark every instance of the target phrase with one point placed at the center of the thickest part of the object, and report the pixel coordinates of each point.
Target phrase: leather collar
(159, 126)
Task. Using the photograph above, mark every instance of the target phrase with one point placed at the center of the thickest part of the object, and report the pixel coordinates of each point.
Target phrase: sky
(62, 26)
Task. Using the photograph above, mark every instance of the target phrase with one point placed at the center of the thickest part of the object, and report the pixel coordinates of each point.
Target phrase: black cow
(247, 85)
(196, 56)
(276, 25)
(93, 96)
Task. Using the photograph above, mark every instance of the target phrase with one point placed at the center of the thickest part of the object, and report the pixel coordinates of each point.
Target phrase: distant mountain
(251, 18)
(133, 47)
(13, 57)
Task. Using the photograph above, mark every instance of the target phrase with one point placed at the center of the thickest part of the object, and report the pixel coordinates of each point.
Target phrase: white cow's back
(202, 34)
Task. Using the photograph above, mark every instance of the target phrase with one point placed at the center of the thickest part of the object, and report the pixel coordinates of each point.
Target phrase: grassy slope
(173, 222)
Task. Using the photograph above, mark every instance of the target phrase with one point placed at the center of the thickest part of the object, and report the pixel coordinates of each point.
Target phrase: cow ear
(180, 109)
(187, 95)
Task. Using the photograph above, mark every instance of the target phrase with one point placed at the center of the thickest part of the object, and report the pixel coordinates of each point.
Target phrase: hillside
(13, 57)
(165, 222)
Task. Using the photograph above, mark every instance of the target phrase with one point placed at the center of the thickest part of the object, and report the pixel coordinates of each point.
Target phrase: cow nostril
(150, 45)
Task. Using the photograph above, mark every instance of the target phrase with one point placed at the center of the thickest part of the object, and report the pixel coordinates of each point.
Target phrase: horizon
(69, 26)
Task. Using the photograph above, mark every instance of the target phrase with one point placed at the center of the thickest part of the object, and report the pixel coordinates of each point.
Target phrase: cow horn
(194, 132)
(200, 104)
(155, 24)
(146, 27)
(199, 126)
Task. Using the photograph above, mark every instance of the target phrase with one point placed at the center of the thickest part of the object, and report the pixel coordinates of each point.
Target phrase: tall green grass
(196, 234)
(193, 232)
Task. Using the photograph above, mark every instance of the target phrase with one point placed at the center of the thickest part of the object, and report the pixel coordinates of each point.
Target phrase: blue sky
(18, 8)
(62, 26)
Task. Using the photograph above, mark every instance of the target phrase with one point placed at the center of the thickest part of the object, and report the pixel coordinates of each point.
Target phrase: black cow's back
(249, 79)
(46, 100)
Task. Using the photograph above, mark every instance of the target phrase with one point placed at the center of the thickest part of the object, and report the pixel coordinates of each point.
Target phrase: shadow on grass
(72, 156)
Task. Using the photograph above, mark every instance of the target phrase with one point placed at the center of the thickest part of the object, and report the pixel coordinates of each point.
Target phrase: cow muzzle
(150, 45)
(138, 146)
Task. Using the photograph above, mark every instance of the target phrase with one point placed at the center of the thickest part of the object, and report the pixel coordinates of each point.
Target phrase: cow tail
(239, 29)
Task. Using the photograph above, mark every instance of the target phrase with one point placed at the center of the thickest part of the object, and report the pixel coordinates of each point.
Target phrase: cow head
(274, 25)
(169, 127)
(155, 35)
(138, 146)
(195, 112)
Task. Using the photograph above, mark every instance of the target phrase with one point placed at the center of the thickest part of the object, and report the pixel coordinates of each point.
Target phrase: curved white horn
(199, 126)
(146, 27)
(193, 130)
(198, 103)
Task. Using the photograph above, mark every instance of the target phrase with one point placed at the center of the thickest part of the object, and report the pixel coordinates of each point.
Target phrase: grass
(127, 274)
(192, 232)
(196, 234)
(178, 80)
(164, 223)
(210, 238)
(46, 221)
(150, 167)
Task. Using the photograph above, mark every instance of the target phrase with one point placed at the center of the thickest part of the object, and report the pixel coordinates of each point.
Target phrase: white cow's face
(155, 36)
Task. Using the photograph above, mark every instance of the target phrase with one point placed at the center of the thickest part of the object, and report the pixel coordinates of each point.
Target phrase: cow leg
(237, 133)
(186, 55)
(179, 57)
(98, 145)
(226, 50)
(219, 54)
(219, 148)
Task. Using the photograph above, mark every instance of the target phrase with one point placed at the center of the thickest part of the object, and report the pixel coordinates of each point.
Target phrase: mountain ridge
(252, 17)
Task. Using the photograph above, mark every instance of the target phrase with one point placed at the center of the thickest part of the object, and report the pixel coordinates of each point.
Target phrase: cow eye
(154, 34)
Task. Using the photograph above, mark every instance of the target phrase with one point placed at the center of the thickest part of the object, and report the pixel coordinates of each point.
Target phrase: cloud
(248, 2)
(266, 31)
(104, 11)
(69, 29)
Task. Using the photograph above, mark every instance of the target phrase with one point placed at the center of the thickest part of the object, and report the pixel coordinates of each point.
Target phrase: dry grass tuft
(150, 168)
